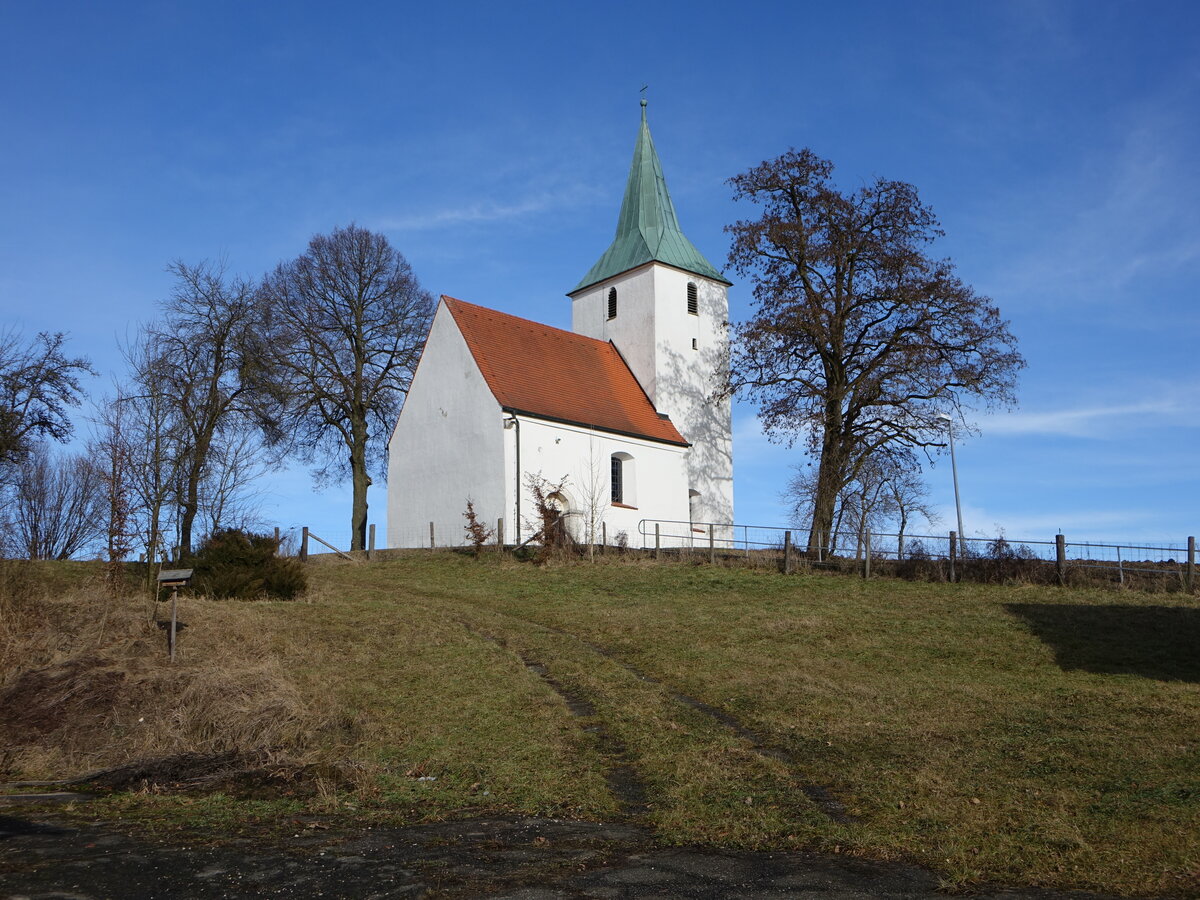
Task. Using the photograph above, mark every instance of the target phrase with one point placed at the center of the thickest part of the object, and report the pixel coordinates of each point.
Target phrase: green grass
(1023, 735)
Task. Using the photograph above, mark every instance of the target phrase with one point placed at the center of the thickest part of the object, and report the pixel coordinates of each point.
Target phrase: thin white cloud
(1096, 421)
(1112, 526)
(470, 214)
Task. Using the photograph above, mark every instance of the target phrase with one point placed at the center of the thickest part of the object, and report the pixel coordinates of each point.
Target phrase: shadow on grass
(1160, 642)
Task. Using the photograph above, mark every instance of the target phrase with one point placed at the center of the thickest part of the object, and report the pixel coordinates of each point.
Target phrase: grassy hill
(1025, 735)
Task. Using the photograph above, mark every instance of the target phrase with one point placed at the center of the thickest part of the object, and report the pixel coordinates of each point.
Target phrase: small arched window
(693, 299)
(612, 303)
(624, 486)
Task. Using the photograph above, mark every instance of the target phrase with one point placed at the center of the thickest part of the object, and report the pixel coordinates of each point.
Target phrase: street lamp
(954, 469)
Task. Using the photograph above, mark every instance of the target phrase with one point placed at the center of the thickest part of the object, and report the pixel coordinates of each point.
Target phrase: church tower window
(612, 303)
(693, 299)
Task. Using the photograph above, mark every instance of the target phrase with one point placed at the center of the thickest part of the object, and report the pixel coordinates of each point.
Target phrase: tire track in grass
(821, 796)
(622, 779)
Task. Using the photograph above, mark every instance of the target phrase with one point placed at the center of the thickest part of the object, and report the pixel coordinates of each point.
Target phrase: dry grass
(85, 683)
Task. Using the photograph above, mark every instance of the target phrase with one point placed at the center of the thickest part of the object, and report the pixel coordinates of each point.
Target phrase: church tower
(664, 306)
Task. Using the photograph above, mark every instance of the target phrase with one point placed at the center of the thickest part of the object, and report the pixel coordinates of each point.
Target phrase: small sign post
(174, 579)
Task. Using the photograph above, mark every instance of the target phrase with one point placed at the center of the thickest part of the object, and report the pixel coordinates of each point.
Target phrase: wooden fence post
(787, 553)
(1191, 564)
(500, 534)
(712, 547)
(431, 546)
(1060, 558)
(174, 631)
(953, 551)
(603, 537)
(657, 541)
(371, 541)
(304, 545)
(867, 555)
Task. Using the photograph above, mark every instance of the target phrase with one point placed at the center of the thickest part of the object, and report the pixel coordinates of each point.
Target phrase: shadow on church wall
(1158, 642)
(704, 420)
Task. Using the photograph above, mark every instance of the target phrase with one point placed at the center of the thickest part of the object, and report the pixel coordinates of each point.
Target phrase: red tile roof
(555, 374)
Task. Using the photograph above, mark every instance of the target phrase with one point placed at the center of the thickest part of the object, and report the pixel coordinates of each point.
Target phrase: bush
(477, 533)
(245, 566)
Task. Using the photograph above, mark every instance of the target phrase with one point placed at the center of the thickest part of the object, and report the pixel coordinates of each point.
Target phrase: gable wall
(448, 445)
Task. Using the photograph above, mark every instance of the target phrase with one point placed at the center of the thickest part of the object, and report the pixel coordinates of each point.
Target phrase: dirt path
(535, 859)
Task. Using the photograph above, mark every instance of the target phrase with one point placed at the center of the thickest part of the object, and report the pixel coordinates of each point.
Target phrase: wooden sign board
(174, 577)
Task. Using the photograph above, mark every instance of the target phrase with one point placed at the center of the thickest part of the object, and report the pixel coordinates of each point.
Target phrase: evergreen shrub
(241, 565)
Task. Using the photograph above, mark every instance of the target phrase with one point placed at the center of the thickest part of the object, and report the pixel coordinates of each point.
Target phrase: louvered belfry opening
(693, 299)
(612, 303)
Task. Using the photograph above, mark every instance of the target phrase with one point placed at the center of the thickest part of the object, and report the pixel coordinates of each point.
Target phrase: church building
(620, 413)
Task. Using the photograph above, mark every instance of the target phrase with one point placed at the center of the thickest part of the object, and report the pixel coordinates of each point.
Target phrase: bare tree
(110, 449)
(887, 492)
(858, 338)
(595, 494)
(228, 496)
(348, 319)
(198, 360)
(38, 382)
(55, 504)
(152, 445)
(909, 500)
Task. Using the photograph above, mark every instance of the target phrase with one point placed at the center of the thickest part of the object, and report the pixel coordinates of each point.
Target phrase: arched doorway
(560, 531)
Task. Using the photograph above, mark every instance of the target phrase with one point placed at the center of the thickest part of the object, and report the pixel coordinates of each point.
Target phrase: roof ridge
(574, 335)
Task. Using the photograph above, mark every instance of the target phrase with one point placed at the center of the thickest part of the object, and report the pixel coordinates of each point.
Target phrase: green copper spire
(647, 229)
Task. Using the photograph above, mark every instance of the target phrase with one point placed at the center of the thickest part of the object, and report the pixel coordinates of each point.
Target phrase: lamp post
(954, 470)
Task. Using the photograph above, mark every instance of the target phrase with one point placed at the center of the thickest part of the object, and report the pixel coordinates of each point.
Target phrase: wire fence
(1161, 566)
(947, 557)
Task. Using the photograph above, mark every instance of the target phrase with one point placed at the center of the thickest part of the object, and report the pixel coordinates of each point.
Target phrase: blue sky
(1057, 141)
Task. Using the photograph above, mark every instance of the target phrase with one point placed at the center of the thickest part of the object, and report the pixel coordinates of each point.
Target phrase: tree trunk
(152, 547)
(361, 481)
(829, 484)
(188, 510)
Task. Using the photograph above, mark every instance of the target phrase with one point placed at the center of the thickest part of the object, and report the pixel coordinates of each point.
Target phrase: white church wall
(655, 333)
(632, 329)
(582, 457)
(692, 360)
(448, 445)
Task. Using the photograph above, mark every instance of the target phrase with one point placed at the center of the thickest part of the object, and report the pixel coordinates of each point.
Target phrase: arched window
(693, 299)
(624, 485)
(612, 303)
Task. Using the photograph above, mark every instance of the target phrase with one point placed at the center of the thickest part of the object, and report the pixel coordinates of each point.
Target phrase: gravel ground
(46, 858)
